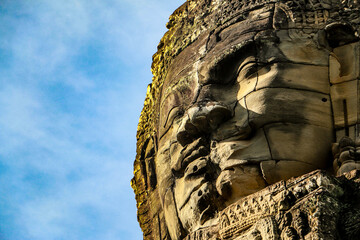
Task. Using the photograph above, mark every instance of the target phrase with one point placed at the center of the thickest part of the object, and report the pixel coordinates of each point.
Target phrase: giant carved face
(242, 107)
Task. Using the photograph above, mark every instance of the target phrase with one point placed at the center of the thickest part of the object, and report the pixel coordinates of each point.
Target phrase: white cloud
(100, 192)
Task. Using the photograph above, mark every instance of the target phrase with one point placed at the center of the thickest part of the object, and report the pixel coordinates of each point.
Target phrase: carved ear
(339, 34)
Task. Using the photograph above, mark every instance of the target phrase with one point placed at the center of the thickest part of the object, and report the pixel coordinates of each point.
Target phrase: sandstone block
(300, 139)
(344, 99)
(295, 76)
(289, 106)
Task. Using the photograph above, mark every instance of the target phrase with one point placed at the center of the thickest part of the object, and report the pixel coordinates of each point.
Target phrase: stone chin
(239, 181)
(201, 208)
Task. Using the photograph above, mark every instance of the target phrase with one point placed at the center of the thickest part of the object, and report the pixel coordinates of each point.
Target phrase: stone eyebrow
(225, 67)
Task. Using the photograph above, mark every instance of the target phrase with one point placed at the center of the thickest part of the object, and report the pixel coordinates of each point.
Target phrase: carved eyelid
(246, 70)
(246, 65)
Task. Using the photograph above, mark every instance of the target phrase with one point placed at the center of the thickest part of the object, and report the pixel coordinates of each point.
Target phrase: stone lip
(316, 205)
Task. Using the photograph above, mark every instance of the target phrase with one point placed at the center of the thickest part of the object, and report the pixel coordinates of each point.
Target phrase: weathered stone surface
(246, 95)
(344, 97)
(298, 47)
(346, 154)
(345, 63)
(237, 151)
(296, 76)
(274, 171)
(299, 140)
(271, 105)
(313, 206)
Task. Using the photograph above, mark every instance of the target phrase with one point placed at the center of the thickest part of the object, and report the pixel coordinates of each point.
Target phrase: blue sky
(73, 77)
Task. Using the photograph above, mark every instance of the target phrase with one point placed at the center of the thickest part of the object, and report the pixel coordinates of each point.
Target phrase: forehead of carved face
(242, 107)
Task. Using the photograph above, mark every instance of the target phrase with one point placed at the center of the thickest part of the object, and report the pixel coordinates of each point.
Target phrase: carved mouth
(196, 149)
(196, 168)
(193, 169)
(194, 191)
(234, 152)
(195, 154)
(199, 173)
(230, 164)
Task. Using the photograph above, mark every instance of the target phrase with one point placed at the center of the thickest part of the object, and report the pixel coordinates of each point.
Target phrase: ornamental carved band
(248, 100)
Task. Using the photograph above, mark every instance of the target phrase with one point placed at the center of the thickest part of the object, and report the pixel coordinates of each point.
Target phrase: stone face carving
(247, 94)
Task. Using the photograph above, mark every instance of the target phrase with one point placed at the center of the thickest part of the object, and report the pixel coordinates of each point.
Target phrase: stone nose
(201, 119)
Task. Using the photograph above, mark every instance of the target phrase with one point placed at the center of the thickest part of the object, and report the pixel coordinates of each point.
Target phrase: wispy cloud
(72, 81)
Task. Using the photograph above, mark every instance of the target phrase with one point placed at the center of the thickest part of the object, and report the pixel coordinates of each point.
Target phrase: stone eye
(247, 71)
